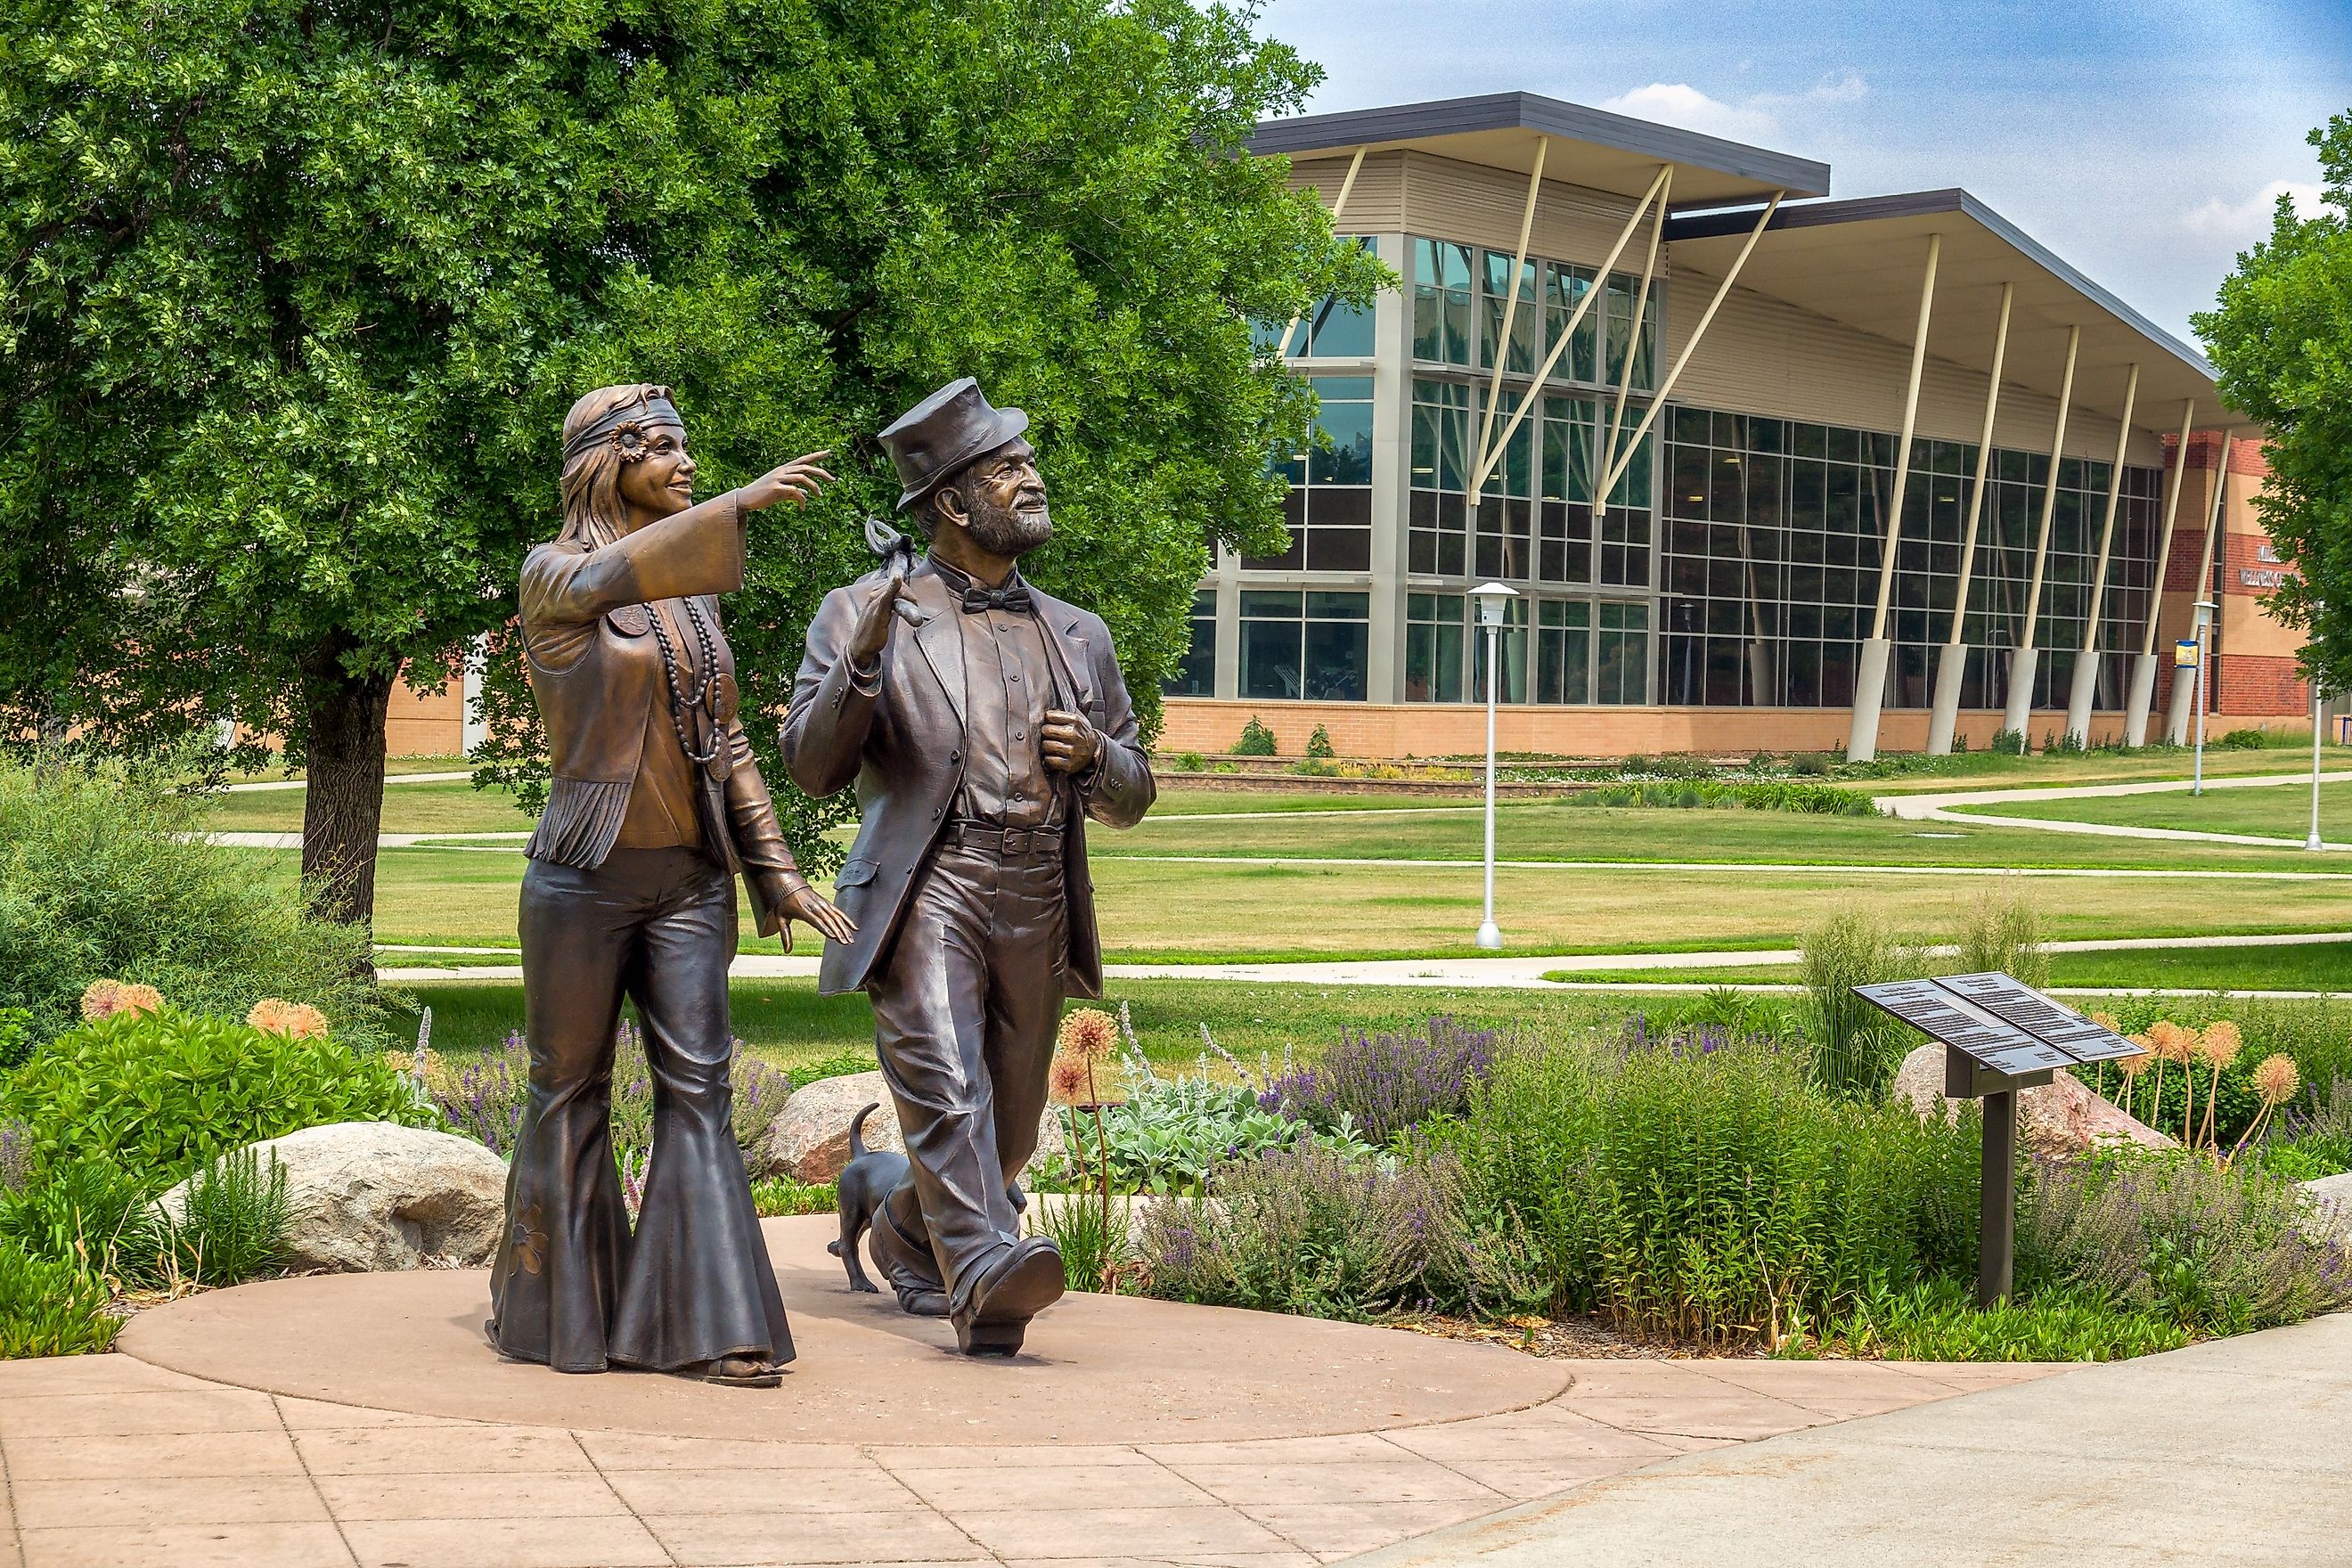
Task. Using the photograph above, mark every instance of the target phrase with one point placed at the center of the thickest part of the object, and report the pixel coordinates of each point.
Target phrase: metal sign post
(1999, 1036)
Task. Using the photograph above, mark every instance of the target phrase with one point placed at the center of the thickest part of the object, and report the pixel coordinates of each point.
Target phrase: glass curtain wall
(1196, 676)
(1329, 507)
(1773, 534)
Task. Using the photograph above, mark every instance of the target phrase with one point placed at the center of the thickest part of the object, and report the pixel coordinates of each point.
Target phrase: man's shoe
(1020, 1283)
(921, 1293)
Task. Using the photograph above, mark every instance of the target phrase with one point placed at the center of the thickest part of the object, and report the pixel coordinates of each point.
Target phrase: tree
(297, 292)
(2282, 337)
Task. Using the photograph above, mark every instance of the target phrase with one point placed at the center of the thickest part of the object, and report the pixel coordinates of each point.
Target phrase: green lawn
(2310, 966)
(1985, 770)
(452, 807)
(789, 1023)
(2273, 811)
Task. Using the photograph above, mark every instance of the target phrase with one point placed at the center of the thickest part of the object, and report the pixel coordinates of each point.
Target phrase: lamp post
(1494, 602)
(2205, 608)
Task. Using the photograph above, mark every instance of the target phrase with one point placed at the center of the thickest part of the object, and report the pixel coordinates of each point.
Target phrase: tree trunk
(343, 806)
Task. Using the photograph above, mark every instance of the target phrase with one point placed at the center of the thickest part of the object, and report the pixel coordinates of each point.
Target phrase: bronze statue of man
(981, 737)
(656, 804)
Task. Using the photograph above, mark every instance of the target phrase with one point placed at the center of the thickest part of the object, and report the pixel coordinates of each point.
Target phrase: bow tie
(977, 600)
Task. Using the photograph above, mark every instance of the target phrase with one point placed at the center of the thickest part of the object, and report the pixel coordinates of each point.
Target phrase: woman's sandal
(740, 1372)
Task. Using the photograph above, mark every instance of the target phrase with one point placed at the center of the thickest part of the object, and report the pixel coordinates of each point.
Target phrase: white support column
(1698, 335)
(1869, 673)
(1575, 319)
(1339, 205)
(1606, 449)
(2018, 716)
(1484, 454)
(2184, 692)
(474, 729)
(2084, 689)
(2144, 668)
(1952, 664)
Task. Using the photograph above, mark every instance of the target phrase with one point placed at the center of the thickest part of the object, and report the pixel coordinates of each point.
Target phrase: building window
(1773, 534)
(1563, 651)
(1495, 288)
(1563, 286)
(1512, 644)
(1335, 330)
(1440, 302)
(1196, 673)
(1442, 435)
(1309, 646)
(1433, 647)
(1621, 653)
(1329, 506)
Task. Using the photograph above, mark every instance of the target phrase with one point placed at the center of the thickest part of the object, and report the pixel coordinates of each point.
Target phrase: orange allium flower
(2172, 1042)
(299, 1020)
(97, 999)
(2220, 1043)
(136, 998)
(2132, 1067)
(1067, 1083)
(1090, 1035)
(2275, 1079)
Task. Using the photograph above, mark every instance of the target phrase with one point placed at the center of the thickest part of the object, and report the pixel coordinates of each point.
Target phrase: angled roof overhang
(1859, 264)
(1592, 147)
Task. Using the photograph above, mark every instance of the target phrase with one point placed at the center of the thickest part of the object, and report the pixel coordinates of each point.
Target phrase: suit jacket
(596, 673)
(902, 741)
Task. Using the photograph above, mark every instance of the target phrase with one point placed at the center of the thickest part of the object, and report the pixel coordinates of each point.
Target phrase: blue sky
(2145, 141)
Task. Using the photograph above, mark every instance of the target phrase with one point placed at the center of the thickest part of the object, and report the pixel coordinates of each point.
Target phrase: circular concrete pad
(1096, 1369)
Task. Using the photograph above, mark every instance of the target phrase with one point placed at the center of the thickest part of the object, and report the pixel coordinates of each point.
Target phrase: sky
(2144, 141)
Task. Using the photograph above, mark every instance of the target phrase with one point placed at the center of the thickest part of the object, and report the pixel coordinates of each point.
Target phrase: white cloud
(2246, 221)
(1754, 118)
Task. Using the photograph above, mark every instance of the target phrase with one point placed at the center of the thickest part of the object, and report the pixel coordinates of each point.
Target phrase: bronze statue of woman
(654, 805)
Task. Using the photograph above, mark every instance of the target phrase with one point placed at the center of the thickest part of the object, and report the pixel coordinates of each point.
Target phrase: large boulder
(809, 1140)
(2055, 1120)
(369, 1196)
(2331, 1205)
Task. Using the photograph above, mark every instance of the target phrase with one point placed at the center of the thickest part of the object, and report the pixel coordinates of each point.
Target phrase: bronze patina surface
(982, 736)
(656, 805)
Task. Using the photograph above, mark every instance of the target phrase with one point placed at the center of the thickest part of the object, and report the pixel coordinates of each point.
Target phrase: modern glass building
(1648, 380)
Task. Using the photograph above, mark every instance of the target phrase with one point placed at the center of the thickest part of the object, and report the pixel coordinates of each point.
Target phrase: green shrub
(16, 1035)
(1170, 1133)
(2245, 740)
(1190, 762)
(1857, 1047)
(231, 1221)
(1256, 741)
(92, 1216)
(2000, 929)
(2008, 743)
(1809, 764)
(1095, 1246)
(160, 1093)
(1763, 794)
(2215, 1249)
(104, 873)
(1700, 1185)
(1319, 744)
(778, 1195)
(1318, 1233)
(1938, 1320)
(48, 1308)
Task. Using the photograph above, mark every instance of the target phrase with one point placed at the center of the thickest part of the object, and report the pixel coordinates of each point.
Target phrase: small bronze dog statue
(865, 1183)
(864, 1186)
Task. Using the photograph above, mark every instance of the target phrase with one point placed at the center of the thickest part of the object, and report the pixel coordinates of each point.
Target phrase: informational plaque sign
(2043, 1020)
(1988, 1039)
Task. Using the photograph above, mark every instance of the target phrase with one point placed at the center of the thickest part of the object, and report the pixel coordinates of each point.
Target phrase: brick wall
(2259, 686)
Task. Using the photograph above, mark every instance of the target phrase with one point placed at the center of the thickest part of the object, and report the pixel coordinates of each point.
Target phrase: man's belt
(962, 834)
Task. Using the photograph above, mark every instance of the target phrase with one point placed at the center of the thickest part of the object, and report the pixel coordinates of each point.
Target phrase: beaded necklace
(716, 761)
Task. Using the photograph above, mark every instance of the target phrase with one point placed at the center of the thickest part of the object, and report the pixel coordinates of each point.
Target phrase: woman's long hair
(592, 479)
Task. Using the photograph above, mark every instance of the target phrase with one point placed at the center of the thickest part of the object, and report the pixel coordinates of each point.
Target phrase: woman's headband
(625, 423)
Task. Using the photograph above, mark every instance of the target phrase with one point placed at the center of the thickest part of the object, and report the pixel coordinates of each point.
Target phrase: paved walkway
(1939, 807)
(358, 1421)
(2229, 1452)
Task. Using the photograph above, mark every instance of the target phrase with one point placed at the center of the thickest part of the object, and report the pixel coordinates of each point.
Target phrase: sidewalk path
(1939, 808)
(1523, 971)
(359, 1421)
(2227, 1452)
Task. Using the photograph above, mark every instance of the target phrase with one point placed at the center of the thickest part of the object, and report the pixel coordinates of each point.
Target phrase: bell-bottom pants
(570, 1286)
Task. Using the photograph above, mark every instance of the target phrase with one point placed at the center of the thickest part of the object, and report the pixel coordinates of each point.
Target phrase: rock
(809, 1140)
(2331, 1203)
(370, 1196)
(2054, 1121)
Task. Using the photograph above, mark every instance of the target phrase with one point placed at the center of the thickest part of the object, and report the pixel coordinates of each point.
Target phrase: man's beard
(1006, 530)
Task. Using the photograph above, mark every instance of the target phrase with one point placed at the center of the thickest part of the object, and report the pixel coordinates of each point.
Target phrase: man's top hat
(942, 433)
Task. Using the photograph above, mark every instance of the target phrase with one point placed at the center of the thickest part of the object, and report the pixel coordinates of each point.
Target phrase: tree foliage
(2281, 336)
(297, 292)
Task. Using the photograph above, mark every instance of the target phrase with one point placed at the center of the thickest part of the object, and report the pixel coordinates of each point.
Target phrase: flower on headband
(628, 439)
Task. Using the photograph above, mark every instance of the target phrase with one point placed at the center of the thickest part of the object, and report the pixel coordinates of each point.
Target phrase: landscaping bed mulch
(1553, 1339)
